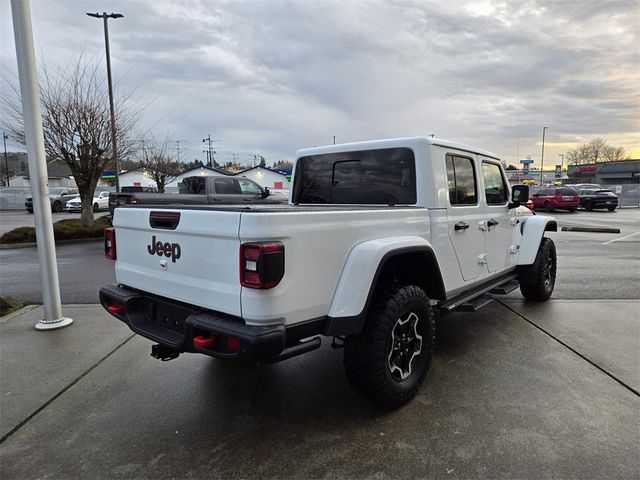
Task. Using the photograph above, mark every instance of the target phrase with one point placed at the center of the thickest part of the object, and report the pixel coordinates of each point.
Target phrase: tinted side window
(383, 177)
(461, 180)
(189, 185)
(247, 187)
(225, 186)
(495, 188)
(566, 191)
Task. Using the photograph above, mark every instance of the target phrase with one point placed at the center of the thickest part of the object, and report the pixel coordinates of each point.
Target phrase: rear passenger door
(500, 222)
(465, 215)
(225, 189)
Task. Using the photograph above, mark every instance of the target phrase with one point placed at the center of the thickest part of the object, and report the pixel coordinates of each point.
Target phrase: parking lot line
(621, 238)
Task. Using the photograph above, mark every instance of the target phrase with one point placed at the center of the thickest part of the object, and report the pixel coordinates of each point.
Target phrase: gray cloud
(271, 77)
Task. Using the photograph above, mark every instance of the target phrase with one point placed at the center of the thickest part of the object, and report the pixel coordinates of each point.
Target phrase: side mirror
(519, 195)
(265, 192)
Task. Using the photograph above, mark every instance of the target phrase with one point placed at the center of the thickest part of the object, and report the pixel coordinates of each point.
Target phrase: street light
(114, 153)
(6, 162)
(542, 156)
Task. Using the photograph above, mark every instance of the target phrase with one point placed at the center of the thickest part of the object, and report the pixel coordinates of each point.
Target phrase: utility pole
(209, 150)
(544, 129)
(334, 139)
(561, 155)
(178, 142)
(114, 150)
(6, 161)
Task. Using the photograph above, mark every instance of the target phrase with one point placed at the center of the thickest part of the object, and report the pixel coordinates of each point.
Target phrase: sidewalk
(515, 390)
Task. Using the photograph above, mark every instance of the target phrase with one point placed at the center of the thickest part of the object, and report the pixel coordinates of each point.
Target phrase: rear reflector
(110, 243)
(202, 341)
(116, 308)
(261, 264)
(233, 343)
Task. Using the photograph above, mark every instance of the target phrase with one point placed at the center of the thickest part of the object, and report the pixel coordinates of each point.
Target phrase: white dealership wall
(266, 177)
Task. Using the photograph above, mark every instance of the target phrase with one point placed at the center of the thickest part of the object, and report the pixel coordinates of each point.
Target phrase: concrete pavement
(517, 390)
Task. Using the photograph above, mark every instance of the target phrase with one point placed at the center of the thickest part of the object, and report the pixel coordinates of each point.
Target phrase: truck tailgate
(192, 258)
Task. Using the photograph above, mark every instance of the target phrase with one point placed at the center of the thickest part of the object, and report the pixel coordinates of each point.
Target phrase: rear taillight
(261, 264)
(110, 243)
(135, 201)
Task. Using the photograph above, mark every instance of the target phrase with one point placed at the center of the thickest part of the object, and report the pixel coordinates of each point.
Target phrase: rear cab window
(368, 177)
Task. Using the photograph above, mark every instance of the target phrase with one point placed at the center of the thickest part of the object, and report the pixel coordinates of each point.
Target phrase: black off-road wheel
(538, 280)
(588, 205)
(389, 360)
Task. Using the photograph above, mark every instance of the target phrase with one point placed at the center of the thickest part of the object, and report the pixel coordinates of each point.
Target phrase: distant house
(197, 171)
(59, 175)
(136, 178)
(265, 177)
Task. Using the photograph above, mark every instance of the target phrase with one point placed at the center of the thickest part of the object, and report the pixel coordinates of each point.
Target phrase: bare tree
(159, 164)
(597, 150)
(612, 154)
(76, 123)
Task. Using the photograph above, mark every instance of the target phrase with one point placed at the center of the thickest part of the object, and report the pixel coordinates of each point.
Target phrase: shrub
(68, 229)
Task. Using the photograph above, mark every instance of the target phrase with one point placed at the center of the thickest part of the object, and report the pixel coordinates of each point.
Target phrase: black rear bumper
(176, 325)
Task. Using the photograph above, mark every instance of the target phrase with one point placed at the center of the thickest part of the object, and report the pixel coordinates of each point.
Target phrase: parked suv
(556, 197)
(591, 198)
(58, 196)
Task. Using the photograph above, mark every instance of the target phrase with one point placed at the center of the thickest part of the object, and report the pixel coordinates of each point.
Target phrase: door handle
(492, 222)
(461, 226)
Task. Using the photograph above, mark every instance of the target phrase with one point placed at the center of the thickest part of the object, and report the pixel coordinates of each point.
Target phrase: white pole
(28, 75)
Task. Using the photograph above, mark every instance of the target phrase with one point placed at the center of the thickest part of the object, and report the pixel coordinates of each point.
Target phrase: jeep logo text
(167, 249)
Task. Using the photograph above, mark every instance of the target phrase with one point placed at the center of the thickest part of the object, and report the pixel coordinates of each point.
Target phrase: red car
(552, 198)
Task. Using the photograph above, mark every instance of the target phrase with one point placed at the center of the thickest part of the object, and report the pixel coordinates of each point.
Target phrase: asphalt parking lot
(10, 219)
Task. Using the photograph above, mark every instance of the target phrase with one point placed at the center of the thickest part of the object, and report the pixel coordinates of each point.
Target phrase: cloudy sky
(270, 77)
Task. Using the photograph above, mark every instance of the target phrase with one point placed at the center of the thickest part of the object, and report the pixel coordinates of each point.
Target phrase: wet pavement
(516, 390)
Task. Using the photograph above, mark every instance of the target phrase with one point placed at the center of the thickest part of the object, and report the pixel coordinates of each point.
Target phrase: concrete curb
(8, 246)
(18, 313)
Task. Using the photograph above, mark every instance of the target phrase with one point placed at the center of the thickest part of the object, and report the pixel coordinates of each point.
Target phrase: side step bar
(476, 303)
(481, 296)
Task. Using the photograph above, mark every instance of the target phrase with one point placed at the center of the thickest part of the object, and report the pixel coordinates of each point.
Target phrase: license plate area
(567, 199)
(162, 321)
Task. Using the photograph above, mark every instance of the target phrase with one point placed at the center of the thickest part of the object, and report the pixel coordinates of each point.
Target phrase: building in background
(266, 178)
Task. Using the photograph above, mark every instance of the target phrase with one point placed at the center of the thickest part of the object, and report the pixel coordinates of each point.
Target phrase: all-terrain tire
(588, 205)
(388, 361)
(538, 280)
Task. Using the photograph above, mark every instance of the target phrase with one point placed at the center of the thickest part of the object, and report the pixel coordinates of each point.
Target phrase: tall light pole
(6, 161)
(561, 155)
(114, 151)
(544, 129)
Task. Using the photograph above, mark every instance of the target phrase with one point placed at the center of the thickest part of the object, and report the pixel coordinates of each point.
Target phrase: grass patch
(68, 229)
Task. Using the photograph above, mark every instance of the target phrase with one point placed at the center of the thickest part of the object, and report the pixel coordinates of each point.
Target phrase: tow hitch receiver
(164, 353)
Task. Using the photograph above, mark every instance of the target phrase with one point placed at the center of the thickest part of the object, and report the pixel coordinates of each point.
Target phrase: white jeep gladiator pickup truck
(377, 238)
